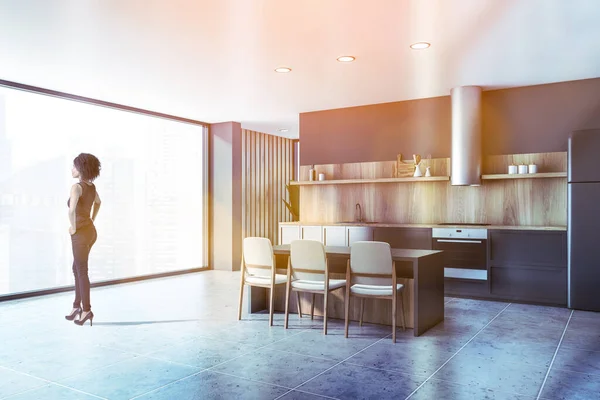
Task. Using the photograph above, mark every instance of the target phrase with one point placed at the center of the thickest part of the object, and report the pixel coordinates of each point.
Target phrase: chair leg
(402, 311)
(346, 311)
(362, 310)
(299, 306)
(271, 305)
(287, 304)
(312, 307)
(325, 297)
(241, 299)
(394, 301)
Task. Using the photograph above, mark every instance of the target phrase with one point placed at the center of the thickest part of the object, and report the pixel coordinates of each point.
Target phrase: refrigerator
(583, 223)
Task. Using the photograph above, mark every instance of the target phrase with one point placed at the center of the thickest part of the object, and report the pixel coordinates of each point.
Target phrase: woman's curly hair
(88, 166)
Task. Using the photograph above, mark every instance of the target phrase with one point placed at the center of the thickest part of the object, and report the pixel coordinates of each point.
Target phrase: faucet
(360, 219)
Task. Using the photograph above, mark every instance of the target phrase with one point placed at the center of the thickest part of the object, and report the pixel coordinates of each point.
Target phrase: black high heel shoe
(89, 315)
(72, 316)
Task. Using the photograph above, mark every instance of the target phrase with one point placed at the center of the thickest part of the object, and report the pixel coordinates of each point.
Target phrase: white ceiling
(213, 60)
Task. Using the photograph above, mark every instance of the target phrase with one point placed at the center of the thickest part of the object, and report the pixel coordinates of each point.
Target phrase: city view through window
(151, 187)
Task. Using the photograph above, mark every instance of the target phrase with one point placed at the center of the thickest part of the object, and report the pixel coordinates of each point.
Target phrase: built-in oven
(465, 252)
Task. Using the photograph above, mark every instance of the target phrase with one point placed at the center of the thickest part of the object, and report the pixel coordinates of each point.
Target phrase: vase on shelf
(428, 171)
(417, 171)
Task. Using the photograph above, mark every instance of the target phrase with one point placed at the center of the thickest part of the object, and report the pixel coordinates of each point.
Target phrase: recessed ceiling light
(346, 59)
(282, 130)
(420, 45)
(283, 70)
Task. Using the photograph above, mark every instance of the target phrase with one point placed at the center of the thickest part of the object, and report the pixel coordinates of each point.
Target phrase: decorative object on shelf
(417, 160)
(525, 176)
(428, 168)
(512, 169)
(533, 169)
(403, 169)
(522, 169)
(312, 173)
(321, 176)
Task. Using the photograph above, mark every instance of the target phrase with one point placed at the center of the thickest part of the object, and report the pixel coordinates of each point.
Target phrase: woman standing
(84, 204)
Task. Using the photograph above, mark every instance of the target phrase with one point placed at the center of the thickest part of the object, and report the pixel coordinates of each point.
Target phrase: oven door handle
(457, 241)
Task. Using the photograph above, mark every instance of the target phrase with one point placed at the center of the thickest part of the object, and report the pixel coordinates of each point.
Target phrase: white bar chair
(371, 274)
(308, 272)
(258, 269)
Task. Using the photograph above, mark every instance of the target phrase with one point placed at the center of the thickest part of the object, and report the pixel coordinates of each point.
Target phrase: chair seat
(301, 284)
(374, 290)
(265, 280)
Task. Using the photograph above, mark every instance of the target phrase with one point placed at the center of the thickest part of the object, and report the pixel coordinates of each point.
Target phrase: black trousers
(82, 242)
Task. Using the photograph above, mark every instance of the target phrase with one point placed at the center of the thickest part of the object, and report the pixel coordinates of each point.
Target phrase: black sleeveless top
(84, 205)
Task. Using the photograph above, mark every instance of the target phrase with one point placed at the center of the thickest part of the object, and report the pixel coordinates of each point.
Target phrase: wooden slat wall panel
(267, 169)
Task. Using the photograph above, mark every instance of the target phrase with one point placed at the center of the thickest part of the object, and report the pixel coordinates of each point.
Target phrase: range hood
(466, 136)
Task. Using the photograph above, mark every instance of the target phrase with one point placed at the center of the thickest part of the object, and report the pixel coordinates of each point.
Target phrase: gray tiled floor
(178, 338)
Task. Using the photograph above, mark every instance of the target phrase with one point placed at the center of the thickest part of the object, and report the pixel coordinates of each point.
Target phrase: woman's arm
(74, 199)
(96, 207)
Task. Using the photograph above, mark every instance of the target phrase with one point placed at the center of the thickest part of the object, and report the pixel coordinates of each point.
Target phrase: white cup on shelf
(512, 169)
(321, 176)
(533, 169)
(523, 169)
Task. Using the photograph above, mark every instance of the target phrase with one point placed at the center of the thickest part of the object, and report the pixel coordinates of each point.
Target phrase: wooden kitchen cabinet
(359, 233)
(312, 232)
(528, 266)
(334, 236)
(288, 233)
(404, 238)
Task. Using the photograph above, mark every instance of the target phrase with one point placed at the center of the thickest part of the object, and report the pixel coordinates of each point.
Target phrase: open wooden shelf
(378, 180)
(539, 175)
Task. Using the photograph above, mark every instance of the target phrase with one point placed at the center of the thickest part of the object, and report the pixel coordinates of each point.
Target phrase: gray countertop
(392, 225)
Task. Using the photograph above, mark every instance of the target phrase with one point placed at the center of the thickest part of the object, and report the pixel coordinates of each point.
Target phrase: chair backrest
(371, 258)
(308, 260)
(258, 256)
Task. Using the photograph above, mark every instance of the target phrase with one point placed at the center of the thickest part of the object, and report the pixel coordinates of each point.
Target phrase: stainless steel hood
(466, 136)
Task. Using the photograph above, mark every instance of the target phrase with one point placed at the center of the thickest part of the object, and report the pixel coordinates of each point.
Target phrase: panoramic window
(151, 185)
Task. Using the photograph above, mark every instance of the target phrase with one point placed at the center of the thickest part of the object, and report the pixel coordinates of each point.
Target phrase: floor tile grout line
(273, 384)
(134, 355)
(455, 354)
(313, 394)
(482, 387)
(71, 376)
(304, 355)
(335, 365)
(214, 366)
(269, 383)
(315, 357)
(395, 371)
(251, 380)
(554, 357)
(47, 383)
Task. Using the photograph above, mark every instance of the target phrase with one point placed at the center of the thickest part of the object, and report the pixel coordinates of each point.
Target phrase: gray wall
(531, 119)
(225, 169)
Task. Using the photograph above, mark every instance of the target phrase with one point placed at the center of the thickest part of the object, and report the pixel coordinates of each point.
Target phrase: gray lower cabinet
(528, 266)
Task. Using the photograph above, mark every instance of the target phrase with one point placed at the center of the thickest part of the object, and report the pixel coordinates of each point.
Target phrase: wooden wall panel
(267, 168)
(538, 202)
